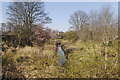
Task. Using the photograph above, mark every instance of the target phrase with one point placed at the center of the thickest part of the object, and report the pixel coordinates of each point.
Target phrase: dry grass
(87, 60)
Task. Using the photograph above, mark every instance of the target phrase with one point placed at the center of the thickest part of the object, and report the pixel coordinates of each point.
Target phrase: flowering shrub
(40, 35)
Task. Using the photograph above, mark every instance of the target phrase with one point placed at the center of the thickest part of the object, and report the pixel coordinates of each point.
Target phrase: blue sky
(60, 11)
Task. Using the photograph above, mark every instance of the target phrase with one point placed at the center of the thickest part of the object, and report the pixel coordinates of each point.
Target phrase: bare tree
(27, 13)
(97, 26)
(78, 20)
(105, 19)
(4, 28)
(23, 15)
(94, 25)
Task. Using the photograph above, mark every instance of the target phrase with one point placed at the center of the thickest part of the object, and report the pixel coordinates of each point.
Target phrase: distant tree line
(96, 26)
(27, 20)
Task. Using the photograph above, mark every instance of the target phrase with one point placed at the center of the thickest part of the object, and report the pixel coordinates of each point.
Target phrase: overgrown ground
(85, 60)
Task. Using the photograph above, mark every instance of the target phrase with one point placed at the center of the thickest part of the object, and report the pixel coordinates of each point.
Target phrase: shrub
(70, 35)
(40, 35)
(9, 68)
(85, 61)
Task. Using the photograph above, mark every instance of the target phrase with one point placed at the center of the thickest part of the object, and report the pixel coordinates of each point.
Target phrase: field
(36, 34)
(85, 60)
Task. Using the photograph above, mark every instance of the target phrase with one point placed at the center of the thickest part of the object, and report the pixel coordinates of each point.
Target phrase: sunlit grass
(86, 60)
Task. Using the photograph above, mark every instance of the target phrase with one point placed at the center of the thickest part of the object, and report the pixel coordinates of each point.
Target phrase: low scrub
(85, 60)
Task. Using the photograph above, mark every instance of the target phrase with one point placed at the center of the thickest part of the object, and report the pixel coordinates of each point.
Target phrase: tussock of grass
(87, 60)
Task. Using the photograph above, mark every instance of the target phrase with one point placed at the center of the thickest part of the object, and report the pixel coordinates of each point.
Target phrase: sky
(60, 12)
